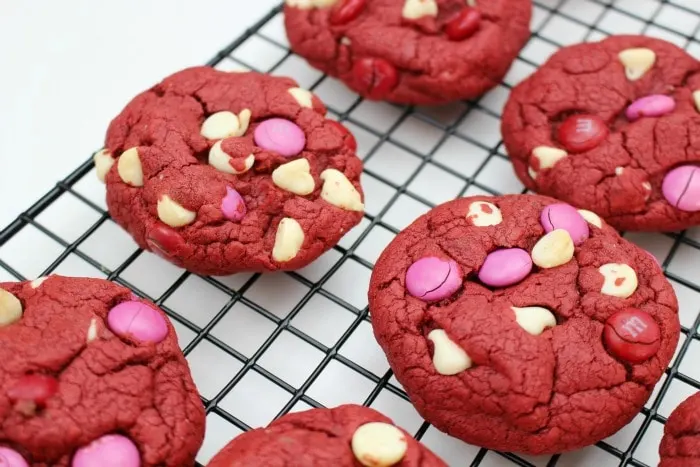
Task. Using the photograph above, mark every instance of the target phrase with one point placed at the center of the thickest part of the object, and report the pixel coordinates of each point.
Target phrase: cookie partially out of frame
(680, 446)
(226, 172)
(519, 323)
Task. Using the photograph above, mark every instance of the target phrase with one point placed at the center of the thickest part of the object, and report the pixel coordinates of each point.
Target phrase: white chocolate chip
(548, 156)
(288, 240)
(619, 170)
(591, 218)
(620, 280)
(221, 125)
(696, 100)
(415, 9)
(220, 160)
(534, 319)
(294, 177)
(103, 162)
(532, 173)
(129, 167)
(483, 214)
(303, 97)
(448, 357)
(308, 4)
(471, 3)
(378, 444)
(554, 249)
(338, 191)
(637, 62)
(10, 308)
(92, 330)
(36, 283)
(345, 40)
(646, 186)
(173, 214)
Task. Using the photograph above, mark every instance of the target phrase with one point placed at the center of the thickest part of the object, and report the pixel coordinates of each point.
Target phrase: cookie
(90, 373)
(519, 323)
(410, 51)
(680, 446)
(345, 436)
(610, 127)
(227, 172)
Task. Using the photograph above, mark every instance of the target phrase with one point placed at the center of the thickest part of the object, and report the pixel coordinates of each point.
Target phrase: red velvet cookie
(680, 446)
(92, 376)
(518, 323)
(226, 172)
(612, 127)
(346, 436)
(410, 51)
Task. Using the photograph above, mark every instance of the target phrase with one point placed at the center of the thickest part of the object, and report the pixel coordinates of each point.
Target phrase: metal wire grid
(547, 12)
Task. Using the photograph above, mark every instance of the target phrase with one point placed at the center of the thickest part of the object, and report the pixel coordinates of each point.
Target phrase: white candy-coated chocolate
(308, 4)
(637, 61)
(553, 249)
(221, 125)
(448, 357)
(36, 283)
(220, 160)
(129, 167)
(378, 444)
(338, 191)
(591, 217)
(288, 240)
(10, 308)
(92, 330)
(103, 162)
(619, 280)
(415, 9)
(534, 319)
(173, 214)
(480, 217)
(303, 97)
(294, 177)
(548, 156)
(696, 100)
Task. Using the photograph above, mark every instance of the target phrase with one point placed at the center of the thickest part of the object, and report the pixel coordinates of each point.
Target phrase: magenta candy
(681, 188)
(108, 451)
(564, 216)
(505, 267)
(11, 458)
(432, 279)
(655, 105)
(233, 206)
(280, 136)
(138, 320)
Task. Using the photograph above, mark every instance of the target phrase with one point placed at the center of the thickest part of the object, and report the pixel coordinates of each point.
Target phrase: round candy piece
(464, 24)
(564, 216)
(280, 136)
(432, 278)
(35, 388)
(346, 10)
(656, 105)
(681, 187)
(108, 451)
(582, 132)
(164, 240)
(233, 206)
(11, 458)
(505, 267)
(138, 320)
(375, 77)
(632, 335)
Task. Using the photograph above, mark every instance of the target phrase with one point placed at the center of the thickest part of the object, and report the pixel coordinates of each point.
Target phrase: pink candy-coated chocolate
(655, 105)
(432, 279)
(11, 458)
(233, 206)
(564, 216)
(108, 451)
(138, 320)
(280, 136)
(505, 267)
(681, 188)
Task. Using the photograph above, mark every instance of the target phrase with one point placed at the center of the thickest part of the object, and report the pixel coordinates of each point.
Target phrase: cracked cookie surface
(680, 445)
(611, 127)
(410, 51)
(519, 323)
(227, 172)
(88, 372)
(344, 436)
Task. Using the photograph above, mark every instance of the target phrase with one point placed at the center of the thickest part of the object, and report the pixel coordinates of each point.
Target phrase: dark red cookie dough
(345, 436)
(226, 172)
(523, 366)
(680, 446)
(67, 381)
(410, 51)
(617, 163)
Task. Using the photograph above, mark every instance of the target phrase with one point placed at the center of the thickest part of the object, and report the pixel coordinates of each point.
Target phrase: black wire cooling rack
(455, 148)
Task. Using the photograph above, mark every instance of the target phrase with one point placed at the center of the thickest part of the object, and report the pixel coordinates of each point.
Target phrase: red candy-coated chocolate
(582, 132)
(164, 240)
(350, 140)
(632, 335)
(36, 388)
(375, 77)
(346, 10)
(464, 24)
